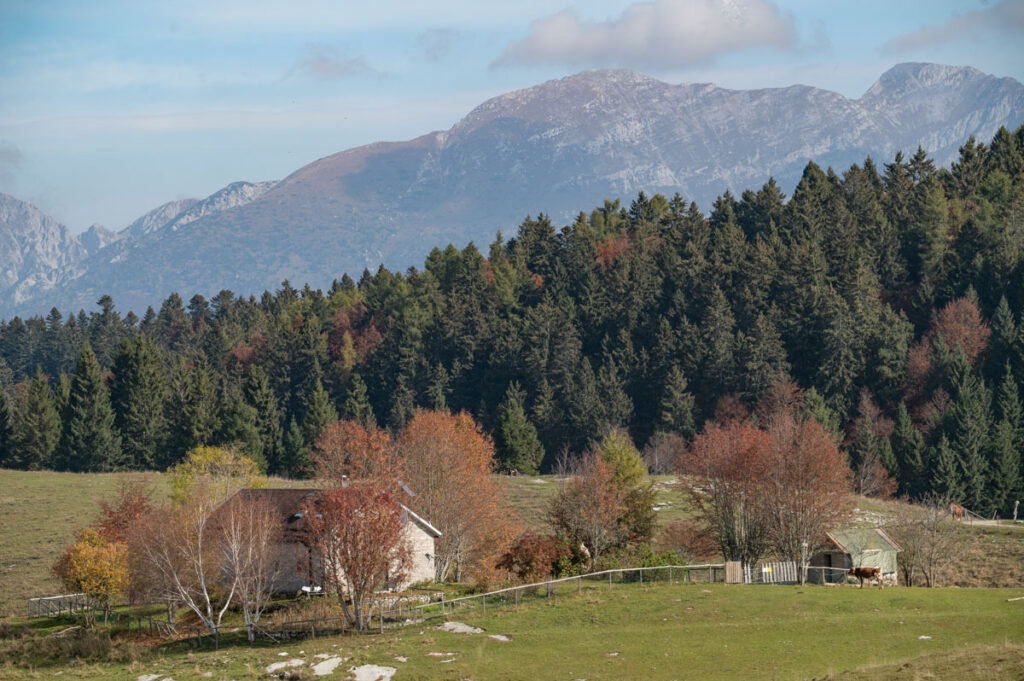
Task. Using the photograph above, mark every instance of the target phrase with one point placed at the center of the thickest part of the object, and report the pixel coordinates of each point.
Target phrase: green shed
(846, 549)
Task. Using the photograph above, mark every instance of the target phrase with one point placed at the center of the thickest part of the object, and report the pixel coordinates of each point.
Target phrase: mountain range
(558, 148)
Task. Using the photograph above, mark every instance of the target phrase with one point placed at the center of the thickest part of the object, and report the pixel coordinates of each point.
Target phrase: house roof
(288, 504)
(858, 540)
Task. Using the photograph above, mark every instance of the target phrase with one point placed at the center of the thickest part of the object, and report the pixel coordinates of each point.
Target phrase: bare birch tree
(250, 537)
(184, 550)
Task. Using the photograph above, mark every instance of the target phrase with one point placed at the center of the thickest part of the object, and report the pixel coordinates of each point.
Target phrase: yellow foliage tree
(95, 567)
(222, 471)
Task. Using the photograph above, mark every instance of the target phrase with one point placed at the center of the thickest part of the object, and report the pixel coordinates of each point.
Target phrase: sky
(110, 108)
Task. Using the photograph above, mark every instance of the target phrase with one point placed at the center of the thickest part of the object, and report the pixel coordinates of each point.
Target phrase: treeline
(892, 295)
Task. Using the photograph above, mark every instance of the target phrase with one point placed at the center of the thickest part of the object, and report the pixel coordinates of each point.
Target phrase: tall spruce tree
(6, 441)
(238, 427)
(357, 405)
(36, 431)
(516, 445)
(909, 450)
(89, 440)
(947, 474)
(319, 412)
(968, 428)
(676, 405)
(138, 392)
(261, 398)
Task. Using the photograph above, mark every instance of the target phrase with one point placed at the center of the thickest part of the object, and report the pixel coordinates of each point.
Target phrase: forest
(891, 295)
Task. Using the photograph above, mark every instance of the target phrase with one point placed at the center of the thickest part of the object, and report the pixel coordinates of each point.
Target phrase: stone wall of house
(421, 544)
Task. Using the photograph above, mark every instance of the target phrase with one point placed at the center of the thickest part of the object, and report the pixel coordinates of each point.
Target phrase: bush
(533, 557)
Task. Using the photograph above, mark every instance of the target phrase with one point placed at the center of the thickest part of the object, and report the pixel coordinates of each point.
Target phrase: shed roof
(857, 540)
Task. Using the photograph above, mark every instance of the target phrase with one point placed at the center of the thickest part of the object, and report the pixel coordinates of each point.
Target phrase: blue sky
(110, 108)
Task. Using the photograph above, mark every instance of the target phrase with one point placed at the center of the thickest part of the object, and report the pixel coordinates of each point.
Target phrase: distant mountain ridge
(559, 147)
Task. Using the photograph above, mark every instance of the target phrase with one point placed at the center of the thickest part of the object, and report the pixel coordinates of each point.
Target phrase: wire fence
(514, 595)
(826, 575)
(385, 612)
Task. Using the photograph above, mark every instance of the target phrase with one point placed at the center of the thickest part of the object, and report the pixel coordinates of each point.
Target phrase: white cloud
(436, 43)
(658, 34)
(1007, 15)
(10, 160)
(325, 62)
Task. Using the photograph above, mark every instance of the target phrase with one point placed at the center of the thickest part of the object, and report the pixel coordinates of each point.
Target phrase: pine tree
(357, 405)
(909, 450)
(763, 356)
(138, 392)
(295, 453)
(969, 425)
(516, 445)
(676, 407)
(62, 394)
(947, 478)
(6, 441)
(36, 430)
(437, 390)
(1005, 463)
(616, 408)
(268, 418)
(191, 413)
(816, 408)
(1007, 456)
(1003, 339)
(239, 427)
(89, 441)
(200, 412)
(318, 413)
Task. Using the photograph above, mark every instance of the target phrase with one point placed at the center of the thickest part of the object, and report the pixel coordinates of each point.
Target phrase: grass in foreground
(658, 632)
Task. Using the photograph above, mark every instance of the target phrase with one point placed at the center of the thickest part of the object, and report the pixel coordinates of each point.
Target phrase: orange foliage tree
(589, 506)
(346, 449)
(446, 461)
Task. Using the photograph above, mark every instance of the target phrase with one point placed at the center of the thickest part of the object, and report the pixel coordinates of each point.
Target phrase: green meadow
(629, 631)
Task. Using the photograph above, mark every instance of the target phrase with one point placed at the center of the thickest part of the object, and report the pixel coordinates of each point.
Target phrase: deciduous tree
(447, 462)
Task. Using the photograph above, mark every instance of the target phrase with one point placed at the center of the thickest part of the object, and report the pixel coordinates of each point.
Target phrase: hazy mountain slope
(559, 147)
(34, 248)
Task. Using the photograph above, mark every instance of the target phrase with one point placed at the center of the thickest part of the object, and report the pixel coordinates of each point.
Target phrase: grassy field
(641, 632)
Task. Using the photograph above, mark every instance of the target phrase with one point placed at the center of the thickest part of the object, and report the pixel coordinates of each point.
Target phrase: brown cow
(862, 573)
(957, 511)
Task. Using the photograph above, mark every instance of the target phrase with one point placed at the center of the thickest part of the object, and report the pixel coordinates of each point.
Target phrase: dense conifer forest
(892, 295)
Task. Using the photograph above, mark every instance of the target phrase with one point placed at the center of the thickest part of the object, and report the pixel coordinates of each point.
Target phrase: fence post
(579, 584)
(483, 601)
(609, 580)
(641, 571)
(711, 575)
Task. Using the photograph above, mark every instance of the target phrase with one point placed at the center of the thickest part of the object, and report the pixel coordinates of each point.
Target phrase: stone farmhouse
(297, 564)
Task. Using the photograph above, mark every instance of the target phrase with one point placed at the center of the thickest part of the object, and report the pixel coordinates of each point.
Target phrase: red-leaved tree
(588, 507)
(806, 485)
(723, 474)
(357, 534)
(355, 525)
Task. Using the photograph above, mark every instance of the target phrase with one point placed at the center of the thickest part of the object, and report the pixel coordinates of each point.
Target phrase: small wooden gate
(784, 572)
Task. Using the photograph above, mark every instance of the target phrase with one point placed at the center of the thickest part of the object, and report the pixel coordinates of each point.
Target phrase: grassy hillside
(40, 512)
(642, 632)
